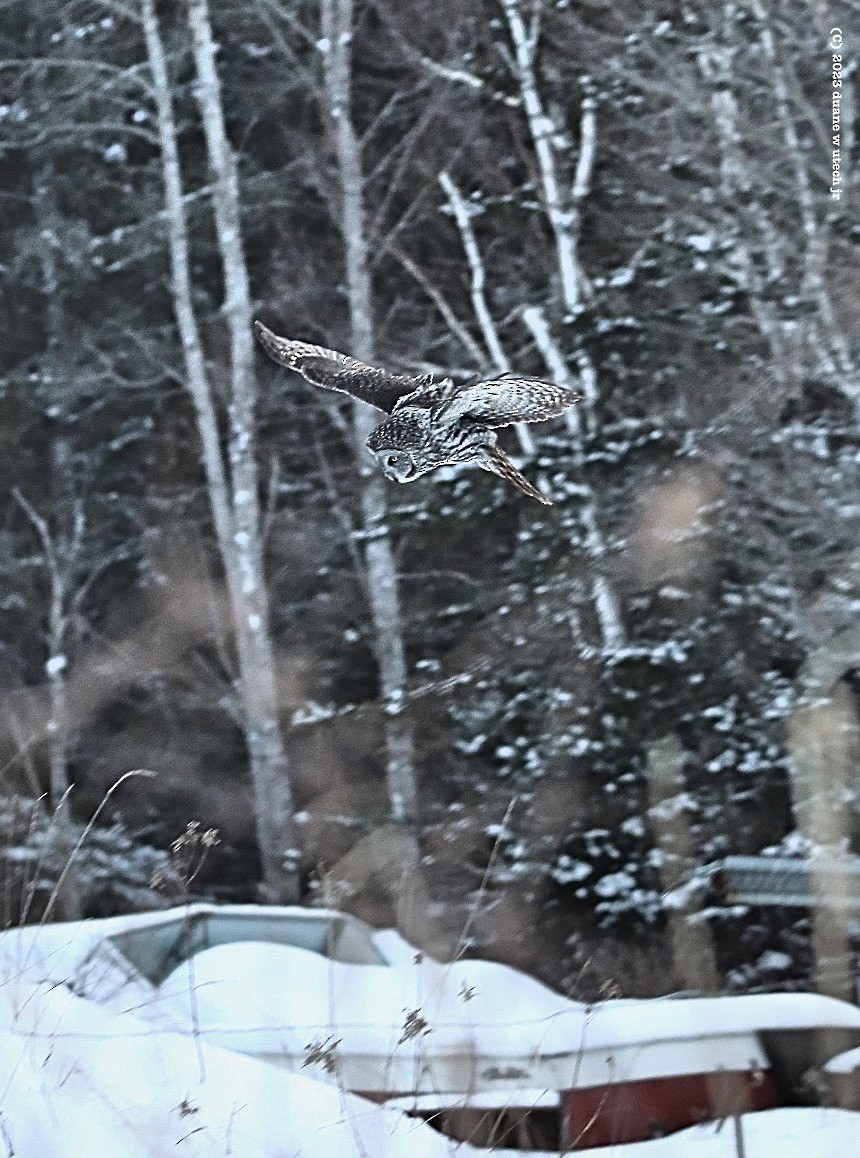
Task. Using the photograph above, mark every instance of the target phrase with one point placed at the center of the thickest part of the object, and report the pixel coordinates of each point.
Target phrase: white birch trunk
(60, 549)
(605, 602)
(478, 279)
(823, 735)
(378, 554)
(234, 501)
(562, 207)
(715, 65)
(67, 903)
(57, 725)
(559, 208)
(816, 233)
(693, 954)
(827, 347)
(53, 546)
(563, 212)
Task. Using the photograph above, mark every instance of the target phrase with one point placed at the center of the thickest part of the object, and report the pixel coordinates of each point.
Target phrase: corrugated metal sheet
(785, 881)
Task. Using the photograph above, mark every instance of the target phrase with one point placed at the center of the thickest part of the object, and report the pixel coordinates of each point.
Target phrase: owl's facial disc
(397, 465)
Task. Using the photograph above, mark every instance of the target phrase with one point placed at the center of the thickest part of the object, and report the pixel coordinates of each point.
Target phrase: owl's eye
(392, 460)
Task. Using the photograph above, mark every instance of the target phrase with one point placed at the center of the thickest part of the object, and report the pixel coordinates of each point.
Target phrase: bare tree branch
(452, 321)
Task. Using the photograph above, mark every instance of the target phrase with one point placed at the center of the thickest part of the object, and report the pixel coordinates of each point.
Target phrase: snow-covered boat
(482, 1050)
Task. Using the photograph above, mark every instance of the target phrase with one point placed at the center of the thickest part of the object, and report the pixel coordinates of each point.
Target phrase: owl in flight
(430, 424)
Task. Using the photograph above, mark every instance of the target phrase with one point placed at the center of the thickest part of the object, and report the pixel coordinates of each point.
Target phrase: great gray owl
(431, 424)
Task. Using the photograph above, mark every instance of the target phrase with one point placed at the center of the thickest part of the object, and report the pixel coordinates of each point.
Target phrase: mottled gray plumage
(431, 423)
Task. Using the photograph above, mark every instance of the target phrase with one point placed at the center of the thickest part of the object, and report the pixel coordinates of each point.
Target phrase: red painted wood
(634, 1111)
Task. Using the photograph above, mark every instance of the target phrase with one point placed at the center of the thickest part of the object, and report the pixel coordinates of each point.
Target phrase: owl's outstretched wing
(334, 371)
(508, 399)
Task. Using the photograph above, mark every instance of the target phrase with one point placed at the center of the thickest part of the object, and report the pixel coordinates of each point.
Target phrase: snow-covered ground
(794, 1133)
(75, 1080)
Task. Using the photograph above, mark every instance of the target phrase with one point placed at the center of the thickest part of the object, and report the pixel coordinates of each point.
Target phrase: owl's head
(400, 446)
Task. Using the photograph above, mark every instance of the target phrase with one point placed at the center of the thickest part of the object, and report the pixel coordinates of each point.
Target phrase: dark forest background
(441, 705)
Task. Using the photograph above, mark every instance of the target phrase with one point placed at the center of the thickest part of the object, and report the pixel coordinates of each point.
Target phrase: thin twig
(485, 880)
(88, 827)
(453, 322)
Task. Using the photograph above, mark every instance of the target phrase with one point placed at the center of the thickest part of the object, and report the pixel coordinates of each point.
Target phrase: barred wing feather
(331, 370)
(509, 399)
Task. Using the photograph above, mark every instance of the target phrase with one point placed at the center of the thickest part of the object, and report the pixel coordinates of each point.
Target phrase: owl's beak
(392, 476)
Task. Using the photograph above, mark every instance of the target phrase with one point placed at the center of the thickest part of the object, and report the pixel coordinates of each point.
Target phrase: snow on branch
(458, 75)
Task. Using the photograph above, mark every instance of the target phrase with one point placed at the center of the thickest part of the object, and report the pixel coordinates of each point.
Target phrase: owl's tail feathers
(496, 461)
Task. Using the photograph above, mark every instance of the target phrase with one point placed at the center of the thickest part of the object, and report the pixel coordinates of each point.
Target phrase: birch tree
(61, 545)
(824, 739)
(826, 337)
(381, 570)
(60, 533)
(564, 183)
(232, 483)
(762, 255)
